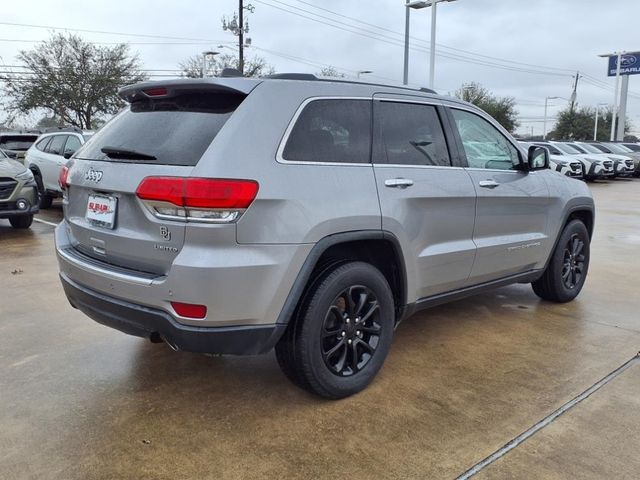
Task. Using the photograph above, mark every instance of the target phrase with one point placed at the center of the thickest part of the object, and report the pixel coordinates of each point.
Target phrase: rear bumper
(146, 322)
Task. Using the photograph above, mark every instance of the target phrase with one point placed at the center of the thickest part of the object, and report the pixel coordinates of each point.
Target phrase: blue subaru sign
(629, 64)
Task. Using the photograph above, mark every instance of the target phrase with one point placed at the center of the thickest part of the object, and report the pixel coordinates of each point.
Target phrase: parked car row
(44, 154)
(592, 160)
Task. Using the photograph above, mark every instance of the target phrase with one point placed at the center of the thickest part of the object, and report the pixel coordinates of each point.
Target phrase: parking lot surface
(81, 401)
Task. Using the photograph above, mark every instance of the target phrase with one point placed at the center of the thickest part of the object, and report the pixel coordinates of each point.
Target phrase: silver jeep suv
(236, 215)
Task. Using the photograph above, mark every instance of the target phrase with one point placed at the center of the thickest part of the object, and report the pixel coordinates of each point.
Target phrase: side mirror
(68, 154)
(537, 158)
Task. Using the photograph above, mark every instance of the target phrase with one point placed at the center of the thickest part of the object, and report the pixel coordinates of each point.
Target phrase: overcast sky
(550, 40)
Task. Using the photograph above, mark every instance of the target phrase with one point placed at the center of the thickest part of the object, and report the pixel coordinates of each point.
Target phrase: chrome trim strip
(94, 269)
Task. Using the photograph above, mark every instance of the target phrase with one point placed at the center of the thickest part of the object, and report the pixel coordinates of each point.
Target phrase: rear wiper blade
(116, 152)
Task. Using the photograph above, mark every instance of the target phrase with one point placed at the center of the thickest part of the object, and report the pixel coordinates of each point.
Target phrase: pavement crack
(514, 442)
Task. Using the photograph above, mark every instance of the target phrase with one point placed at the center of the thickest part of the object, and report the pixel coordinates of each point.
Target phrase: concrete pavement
(81, 401)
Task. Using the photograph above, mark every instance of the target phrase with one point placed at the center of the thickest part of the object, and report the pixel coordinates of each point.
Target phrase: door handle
(488, 184)
(398, 182)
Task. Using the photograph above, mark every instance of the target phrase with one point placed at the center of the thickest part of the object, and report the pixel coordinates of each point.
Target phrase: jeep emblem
(93, 175)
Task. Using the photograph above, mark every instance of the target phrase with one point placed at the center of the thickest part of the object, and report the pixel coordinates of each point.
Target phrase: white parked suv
(46, 157)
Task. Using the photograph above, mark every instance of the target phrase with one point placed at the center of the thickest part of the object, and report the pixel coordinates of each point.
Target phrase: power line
(397, 42)
(105, 32)
(439, 45)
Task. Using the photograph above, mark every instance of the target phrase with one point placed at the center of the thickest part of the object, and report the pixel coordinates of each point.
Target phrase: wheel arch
(584, 213)
(379, 248)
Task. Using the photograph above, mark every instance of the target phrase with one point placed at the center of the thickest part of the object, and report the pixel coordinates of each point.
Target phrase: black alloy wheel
(351, 331)
(573, 265)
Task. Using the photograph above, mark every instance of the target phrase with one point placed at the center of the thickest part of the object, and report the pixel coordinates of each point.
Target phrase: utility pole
(574, 93)
(239, 26)
(241, 38)
(407, 21)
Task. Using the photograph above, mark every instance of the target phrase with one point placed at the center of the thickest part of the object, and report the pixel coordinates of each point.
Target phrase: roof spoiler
(170, 88)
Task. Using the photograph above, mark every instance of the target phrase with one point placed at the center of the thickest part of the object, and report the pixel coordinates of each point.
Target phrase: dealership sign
(629, 64)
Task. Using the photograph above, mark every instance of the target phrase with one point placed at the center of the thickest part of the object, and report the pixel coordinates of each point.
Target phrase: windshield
(566, 148)
(166, 131)
(602, 148)
(22, 142)
(617, 148)
(590, 148)
(552, 149)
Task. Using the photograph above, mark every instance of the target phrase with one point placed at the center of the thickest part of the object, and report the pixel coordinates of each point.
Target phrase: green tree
(253, 67)
(503, 109)
(578, 124)
(76, 81)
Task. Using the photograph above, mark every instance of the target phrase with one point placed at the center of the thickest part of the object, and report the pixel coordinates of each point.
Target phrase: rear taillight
(63, 178)
(197, 199)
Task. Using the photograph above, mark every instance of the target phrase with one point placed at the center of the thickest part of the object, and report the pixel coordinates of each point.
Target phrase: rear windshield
(17, 142)
(176, 130)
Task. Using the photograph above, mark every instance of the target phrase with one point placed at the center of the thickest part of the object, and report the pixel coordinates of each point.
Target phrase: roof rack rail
(62, 129)
(293, 76)
(312, 77)
(230, 72)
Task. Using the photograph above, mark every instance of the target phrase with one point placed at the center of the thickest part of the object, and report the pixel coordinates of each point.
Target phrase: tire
(566, 272)
(333, 347)
(45, 199)
(21, 221)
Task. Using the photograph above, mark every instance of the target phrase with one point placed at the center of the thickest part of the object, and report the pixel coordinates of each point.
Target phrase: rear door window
(331, 130)
(72, 145)
(56, 145)
(42, 144)
(175, 130)
(410, 134)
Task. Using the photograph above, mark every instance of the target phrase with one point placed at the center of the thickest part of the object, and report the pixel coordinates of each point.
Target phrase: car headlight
(25, 176)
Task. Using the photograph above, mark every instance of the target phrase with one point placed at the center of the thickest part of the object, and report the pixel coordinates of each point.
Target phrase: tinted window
(410, 134)
(72, 145)
(331, 131)
(602, 148)
(552, 150)
(56, 144)
(17, 142)
(633, 147)
(176, 130)
(484, 145)
(568, 149)
(42, 144)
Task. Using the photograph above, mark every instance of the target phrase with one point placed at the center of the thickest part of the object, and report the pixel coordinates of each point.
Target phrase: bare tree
(330, 72)
(253, 67)
(76, 81)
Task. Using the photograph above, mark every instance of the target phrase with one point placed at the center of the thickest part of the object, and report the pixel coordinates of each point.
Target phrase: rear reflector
(189, 310)
(63, 177)
(199, 192)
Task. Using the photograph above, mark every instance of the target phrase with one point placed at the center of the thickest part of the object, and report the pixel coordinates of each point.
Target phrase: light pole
(432, 54)
(544, 122)
(595, 128)
(363, 72)
(204, 61)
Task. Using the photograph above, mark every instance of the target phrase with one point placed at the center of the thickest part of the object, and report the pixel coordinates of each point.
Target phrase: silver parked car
(235, 215)
(46, 157)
